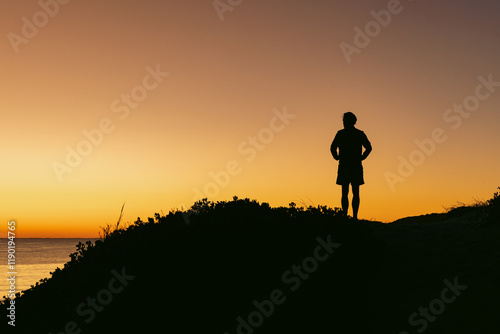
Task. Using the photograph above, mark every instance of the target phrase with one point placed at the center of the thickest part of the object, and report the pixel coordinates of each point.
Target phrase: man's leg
(355, 201)
(345, 198)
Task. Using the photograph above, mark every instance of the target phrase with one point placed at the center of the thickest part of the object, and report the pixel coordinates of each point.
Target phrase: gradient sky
(227, 80)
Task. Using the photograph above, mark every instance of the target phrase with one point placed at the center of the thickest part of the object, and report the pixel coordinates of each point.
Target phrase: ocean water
(35, 260)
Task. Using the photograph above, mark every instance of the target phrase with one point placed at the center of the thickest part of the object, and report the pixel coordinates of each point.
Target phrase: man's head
(349, 120)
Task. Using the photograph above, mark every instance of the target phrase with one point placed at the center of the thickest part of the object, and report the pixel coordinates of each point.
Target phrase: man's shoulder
(359, 133)
(339, 133)
(355, 131)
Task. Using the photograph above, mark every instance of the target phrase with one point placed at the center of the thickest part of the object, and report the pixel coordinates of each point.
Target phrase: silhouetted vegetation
(492, 215)
(198, 271)
(482, 213)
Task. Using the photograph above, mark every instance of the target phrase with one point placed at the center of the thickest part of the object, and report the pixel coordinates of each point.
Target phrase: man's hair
(350, 118)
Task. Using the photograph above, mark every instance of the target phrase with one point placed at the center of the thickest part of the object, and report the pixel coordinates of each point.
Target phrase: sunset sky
(171, 93)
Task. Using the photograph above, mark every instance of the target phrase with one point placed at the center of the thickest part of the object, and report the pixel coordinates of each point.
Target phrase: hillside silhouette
(244, 267)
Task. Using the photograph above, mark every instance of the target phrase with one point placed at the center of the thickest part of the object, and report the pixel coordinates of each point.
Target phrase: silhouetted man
(350, 142)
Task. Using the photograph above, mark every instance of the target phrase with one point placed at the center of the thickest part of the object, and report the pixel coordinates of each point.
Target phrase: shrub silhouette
(199, 270)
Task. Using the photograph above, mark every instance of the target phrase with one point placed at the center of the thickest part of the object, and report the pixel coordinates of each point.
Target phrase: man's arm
(334, 146)
(368, 148)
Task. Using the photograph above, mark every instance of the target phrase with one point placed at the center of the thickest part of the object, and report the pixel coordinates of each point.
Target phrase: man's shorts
(350, 173)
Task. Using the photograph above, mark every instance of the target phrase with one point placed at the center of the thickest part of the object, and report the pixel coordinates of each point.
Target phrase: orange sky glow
(156, 104)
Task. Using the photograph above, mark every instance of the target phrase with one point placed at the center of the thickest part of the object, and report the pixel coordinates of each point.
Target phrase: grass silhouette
(205, 269)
